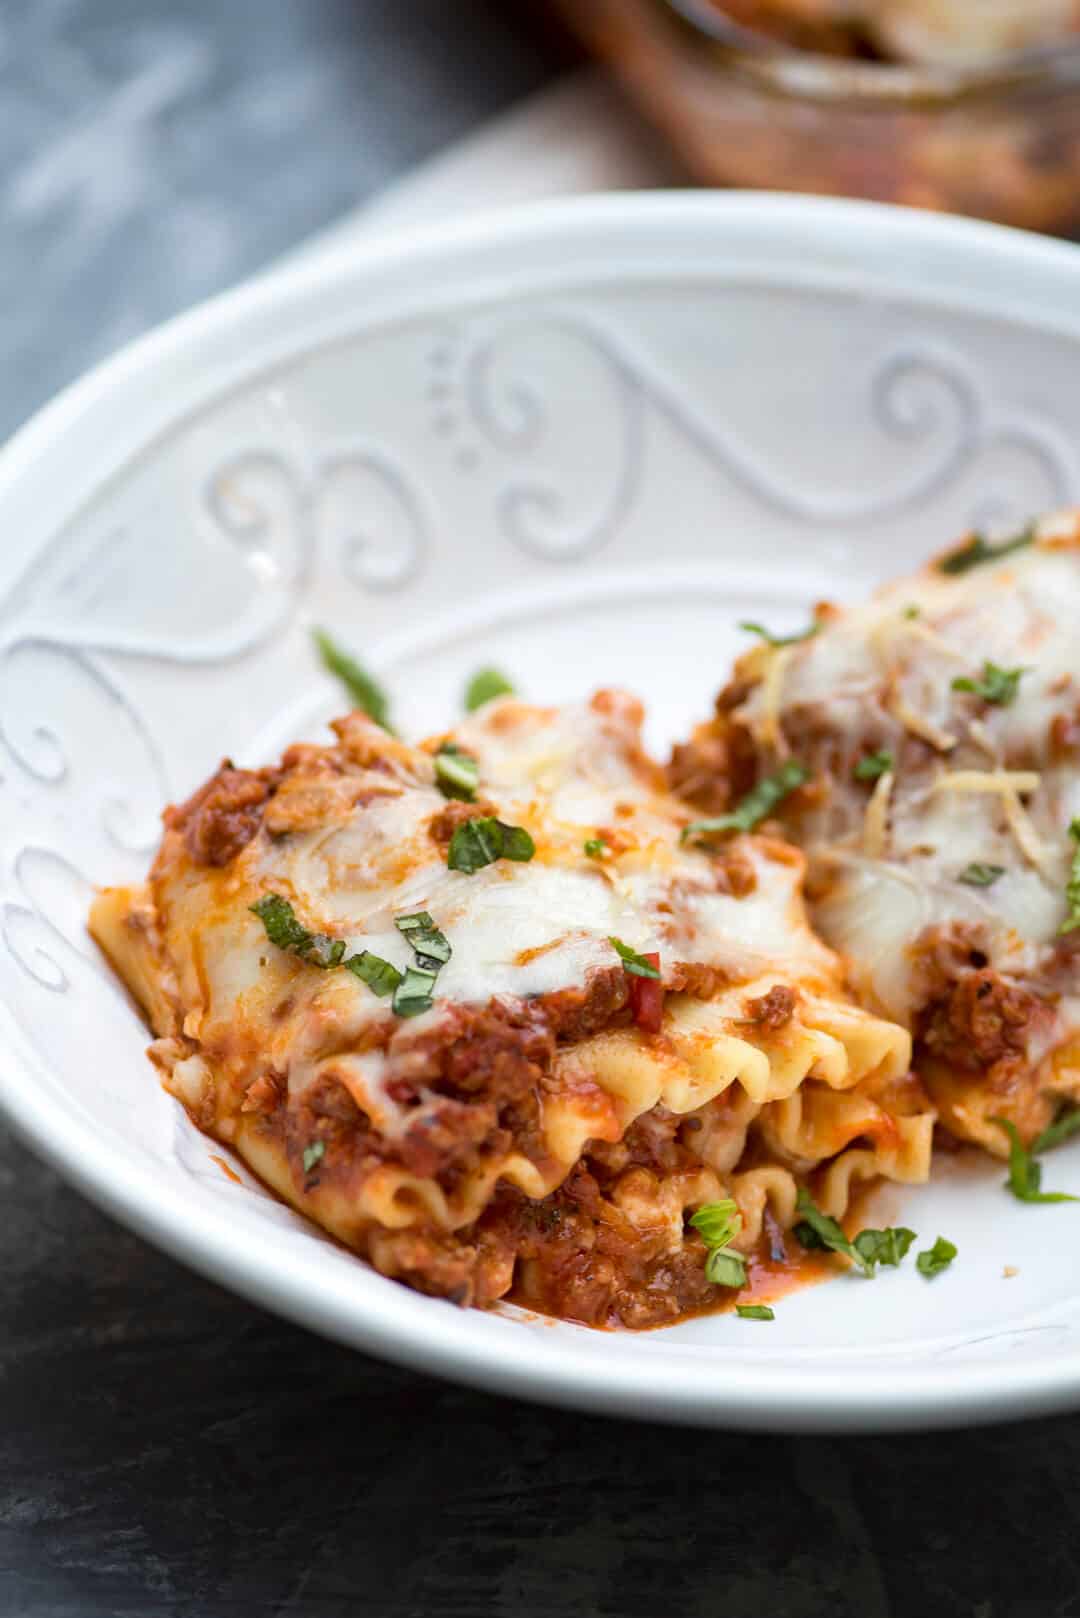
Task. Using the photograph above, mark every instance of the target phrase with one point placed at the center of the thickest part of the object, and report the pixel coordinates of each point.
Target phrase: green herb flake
(1072, 886)
(754, 1311)
(284, 931)
(317, 949)
(432, 947)
(978, 550)
(996, 685)
(380, 976)
(325, 951)
(757, 805)
(1064, 1125)
(887, 1246)
(817, 1229)
(595, 848)
(780, 640)
(977, 875)
(418, 921)
(517, 844)
(936, 1258)
(873, 766)
(279, 920)
(413, 994)
(313, 1154)
(870, 1247)
(718, 1223)
(1025, 1175)
(485, 686)
(365, 691)
(414, 991)
(725, 1268)
(633, 963)
(912, 611)
(457, 774)
(481, 842)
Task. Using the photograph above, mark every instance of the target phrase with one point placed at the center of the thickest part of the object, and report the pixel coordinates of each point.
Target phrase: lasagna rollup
(406, 986)
(933, 737)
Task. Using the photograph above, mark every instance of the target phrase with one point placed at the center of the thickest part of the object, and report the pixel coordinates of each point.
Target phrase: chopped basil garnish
(380, 976)
(313, 1154)
(779, 640)
(718, 1224)
(431, 946)
(364, 690)
(978, 550)
(912, 611)
(414, 993)
(754, 1311)
(936, 1258)
(977, 875)
(457, 773)
(817, 1229)
(418, 921)
(481, 842)
(996, 685)
(725, 1268)
(632, 962)
(318, 949)
(1065, 1124)
(325, 951)
(757, 805)
(517, 844)
(870, 1247)
(873, 766)
(887, 1246)
(283, 929)
(1025, 1175)
(484, 686)
(595, 848)
(1072, 886)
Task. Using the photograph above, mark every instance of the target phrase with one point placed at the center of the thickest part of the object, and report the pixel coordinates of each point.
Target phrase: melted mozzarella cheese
(516, 929)
(974, 782)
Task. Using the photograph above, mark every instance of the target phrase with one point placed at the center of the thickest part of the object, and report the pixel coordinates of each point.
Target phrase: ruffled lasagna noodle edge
(819, 1094)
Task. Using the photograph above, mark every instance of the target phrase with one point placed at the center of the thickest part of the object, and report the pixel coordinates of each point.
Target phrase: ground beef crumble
(225, 813)
(473, 1085)
(442, 826)
(984, 1025)
(774, 1009)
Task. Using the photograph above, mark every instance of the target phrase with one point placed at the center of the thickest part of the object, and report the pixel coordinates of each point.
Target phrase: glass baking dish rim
(817, 76)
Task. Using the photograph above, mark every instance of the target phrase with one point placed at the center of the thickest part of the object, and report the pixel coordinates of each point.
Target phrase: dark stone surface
(166, 1449)
(155, 151)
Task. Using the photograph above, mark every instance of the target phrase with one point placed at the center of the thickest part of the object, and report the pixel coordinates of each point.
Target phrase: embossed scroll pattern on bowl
(596, 475)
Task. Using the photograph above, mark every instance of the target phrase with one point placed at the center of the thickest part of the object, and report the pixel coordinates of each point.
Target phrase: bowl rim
(903, 247)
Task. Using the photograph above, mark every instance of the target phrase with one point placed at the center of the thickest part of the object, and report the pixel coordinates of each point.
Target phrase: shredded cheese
(982, 738)
(1027, 838)
(917, 630)
(920, 725)
(979, 787)
(1004, 782)
(1008, 785)
(772, 691)
(876, 819)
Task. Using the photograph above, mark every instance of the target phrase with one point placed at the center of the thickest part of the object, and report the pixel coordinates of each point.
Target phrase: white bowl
(579, 441)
